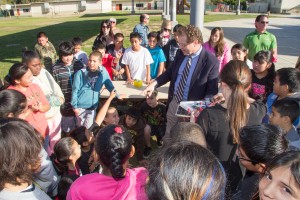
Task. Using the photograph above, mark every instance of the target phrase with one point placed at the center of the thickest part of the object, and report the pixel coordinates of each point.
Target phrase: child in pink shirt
(20, 78)
(218, 47)
(113, 149)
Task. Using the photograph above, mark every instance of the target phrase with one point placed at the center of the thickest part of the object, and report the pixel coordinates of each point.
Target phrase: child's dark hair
(15, 72)
(203, 178)
(20, 148)
(118, 35)
(64, 185)
(262, 142)
(154, 93)
(113, 146)
(188, 131)
(99, 45)
(135, 35)
(96, 54)
(41, 34)
(175, 29)
(154, 34)
(133, 112)
(240, 47)
(65, 49)
(29, 55)
(76, 41)
(290, 77)
(62, 153)
(288, 107)
(78, 134)
(12, 102)
(265, 56)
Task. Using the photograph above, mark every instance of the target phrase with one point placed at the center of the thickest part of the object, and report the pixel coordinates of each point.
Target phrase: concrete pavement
(285, 28)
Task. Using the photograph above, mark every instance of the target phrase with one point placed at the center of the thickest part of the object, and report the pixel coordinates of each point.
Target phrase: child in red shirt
(108, 61)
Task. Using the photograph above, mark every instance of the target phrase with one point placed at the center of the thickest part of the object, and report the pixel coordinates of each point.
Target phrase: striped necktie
(182, 82)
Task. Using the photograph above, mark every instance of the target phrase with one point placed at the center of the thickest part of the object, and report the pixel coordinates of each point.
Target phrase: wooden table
(134, 93)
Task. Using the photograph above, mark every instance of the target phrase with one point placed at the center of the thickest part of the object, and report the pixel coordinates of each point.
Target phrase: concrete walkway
(286, 29)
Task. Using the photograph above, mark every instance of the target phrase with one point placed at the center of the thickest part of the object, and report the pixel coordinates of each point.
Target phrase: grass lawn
(16, 33)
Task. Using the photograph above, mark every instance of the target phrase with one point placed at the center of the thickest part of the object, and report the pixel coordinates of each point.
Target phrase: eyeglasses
(264, 22)
(106, 27)
(169, 30)
(112, 22)
(245, 159)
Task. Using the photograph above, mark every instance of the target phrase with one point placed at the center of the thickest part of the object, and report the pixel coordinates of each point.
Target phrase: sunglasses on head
(169, 30)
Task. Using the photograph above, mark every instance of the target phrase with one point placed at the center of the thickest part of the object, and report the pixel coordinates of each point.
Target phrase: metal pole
(132, 9)
(167, 14)
(197, 13)
(173, 13)
(238, 11)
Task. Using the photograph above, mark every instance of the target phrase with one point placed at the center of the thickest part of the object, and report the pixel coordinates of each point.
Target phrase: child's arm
(148, 78)
(129, 80)
(161, 68)
(75, 90)
(102, 112)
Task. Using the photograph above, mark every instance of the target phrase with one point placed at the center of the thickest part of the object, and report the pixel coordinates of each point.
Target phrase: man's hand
(148, 91)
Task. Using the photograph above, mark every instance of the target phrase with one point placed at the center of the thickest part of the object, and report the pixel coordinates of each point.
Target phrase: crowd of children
(58, 141)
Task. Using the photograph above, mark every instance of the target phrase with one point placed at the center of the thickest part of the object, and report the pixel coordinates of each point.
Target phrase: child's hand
(36, 106)
(218, 98)
(113, 94)
(76, 111)
(119, 54)
(129, 81)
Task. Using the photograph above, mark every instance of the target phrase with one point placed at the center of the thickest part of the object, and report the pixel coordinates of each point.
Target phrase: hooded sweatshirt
(99, 186)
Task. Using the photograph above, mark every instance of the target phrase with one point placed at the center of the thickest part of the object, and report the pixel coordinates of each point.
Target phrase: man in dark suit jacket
(202, 78)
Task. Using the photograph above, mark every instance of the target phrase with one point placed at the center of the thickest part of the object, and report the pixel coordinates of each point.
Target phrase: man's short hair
(257, 19)
(192, 33)
(142, 17)
(188, 131)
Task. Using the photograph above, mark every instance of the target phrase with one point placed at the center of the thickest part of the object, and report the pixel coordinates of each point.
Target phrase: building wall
(127, 5)
(66, 8)
(258, 7)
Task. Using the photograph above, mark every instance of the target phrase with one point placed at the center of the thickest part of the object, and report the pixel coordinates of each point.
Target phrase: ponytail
(116, 167)
(237, 76)
(237, 110)
(113, 145)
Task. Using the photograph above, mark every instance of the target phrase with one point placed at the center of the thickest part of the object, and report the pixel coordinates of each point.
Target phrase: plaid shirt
(64, 76)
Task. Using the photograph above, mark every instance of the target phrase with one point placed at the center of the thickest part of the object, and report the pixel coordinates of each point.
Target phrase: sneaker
(147, 151)
(159, 143)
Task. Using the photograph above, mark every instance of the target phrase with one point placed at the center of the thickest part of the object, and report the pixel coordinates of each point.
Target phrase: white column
(197, 13)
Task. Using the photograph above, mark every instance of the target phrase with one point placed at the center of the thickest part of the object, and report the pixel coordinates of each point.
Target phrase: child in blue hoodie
(86, 89)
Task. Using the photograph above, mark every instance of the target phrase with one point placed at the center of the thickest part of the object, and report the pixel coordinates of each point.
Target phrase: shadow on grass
(14, 43)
